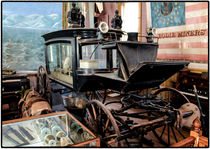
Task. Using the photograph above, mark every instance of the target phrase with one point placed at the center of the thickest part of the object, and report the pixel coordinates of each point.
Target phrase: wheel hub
(185, 109)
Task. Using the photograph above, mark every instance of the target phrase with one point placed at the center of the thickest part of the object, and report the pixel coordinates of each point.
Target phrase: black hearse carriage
(136, 68)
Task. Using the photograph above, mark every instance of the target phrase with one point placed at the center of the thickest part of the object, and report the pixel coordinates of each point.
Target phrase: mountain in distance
(23, 47)
(35, 21)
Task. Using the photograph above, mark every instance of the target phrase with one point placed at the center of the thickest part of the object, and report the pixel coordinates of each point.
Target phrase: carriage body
(132, 67)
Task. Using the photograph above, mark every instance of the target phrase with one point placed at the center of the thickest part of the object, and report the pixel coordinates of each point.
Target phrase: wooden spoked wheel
(43, 85)
(172, 96)
(100, 120)
(96, 95)
(169, 134)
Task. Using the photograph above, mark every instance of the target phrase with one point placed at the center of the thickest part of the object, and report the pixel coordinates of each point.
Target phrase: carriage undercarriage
(134, 116)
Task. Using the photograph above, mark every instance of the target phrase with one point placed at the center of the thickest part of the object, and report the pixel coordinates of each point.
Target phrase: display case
(54, 129)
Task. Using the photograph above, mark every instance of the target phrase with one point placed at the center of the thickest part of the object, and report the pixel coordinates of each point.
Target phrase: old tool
(11, 139)
(18, 135)
(25, 132)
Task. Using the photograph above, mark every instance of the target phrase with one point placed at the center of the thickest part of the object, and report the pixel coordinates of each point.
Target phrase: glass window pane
(93, 57)
(60, 61)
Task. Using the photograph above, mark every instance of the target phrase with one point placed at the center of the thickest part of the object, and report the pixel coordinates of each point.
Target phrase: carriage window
(60, 61)
(93, 57)
(114, 58)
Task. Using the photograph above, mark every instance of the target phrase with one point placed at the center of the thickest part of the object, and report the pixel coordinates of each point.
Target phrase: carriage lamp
(103, 28)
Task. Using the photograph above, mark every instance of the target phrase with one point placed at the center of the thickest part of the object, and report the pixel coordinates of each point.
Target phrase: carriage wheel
(101, 122)
(97, 95)
(174, 97)
(44, 87)
(168, 134)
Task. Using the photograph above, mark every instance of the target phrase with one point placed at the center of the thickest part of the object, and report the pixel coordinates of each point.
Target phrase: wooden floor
(150, 135)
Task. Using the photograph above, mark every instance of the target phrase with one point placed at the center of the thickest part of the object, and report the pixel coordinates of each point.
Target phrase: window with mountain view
(23, 23)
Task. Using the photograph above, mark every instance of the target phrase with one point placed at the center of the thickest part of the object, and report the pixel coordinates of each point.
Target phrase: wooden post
(196, 132)
(200, 140)
(119, 5)
(196, 139)
(64, 16)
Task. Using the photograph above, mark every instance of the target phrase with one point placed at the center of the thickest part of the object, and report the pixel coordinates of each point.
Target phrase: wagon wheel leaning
(43, 85)
(169, 134)
(100, 120)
